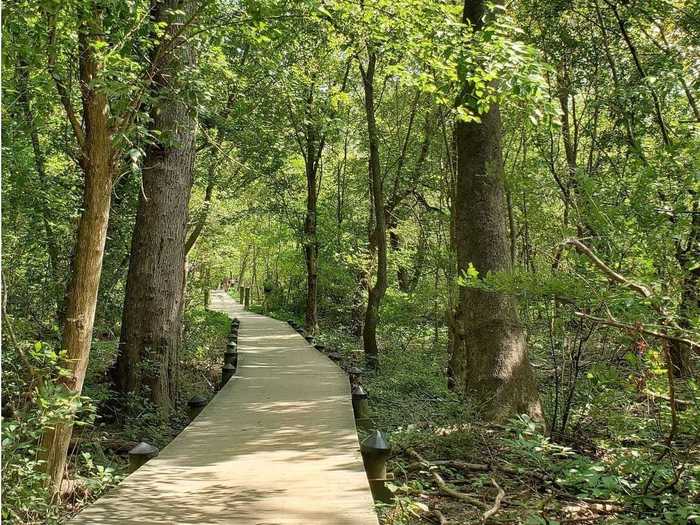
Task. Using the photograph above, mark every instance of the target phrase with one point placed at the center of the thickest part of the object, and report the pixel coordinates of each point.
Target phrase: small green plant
(633, 477)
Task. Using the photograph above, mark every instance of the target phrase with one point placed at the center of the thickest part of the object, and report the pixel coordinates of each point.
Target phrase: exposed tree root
(497, 503)
(444, 488)
(439, 516)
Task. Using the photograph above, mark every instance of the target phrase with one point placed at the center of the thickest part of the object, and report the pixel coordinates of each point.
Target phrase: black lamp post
(140, 454)
(227, 372)
(360, 406)
(375, 451)
(355, 373)
(195, 406)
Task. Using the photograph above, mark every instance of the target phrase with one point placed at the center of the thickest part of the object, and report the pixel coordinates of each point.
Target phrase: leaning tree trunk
(489, 350)
(376, 292)
(81, 296)
(151, 322)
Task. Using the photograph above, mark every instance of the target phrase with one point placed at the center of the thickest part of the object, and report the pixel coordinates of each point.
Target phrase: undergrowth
(98, 452)
(611, 465)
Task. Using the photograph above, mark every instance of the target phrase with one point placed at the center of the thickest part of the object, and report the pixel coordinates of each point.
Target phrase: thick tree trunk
(152, 318)
(376, 292)
(81, 296)
(490, 356)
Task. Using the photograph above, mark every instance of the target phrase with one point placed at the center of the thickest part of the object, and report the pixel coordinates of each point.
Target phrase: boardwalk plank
(276, 446)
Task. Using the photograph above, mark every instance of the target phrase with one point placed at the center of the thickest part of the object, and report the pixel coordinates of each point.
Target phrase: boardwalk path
(277, 445)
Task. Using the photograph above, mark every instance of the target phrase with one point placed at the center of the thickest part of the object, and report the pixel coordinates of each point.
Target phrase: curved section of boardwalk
(277, 445)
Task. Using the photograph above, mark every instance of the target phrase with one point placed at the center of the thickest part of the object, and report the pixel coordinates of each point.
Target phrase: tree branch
(639, 328)
(63, 94)
(612, 274)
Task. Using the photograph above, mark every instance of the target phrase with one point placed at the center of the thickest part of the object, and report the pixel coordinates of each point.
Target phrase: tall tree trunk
(311, 254)
(689, 305)
(242, 270)
(490, 356)
(152, 317)
(254, 277)
(95, 143)
(376, 292)
(312, 156)
(403, 279)
(204, 212)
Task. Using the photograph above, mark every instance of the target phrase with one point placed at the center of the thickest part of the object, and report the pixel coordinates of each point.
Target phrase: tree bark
(81, 298)
(311, 256)
(312, 156)
(376, 292)
(152, 317)
(489, 358)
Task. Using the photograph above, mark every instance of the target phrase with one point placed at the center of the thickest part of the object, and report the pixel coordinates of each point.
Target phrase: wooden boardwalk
(277, 445)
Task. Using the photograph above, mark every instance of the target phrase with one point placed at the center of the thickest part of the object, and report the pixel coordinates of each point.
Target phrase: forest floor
(99, 450)
(605, 469)
(450, 469)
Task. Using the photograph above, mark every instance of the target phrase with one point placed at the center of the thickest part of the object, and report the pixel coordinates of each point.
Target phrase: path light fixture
(227, 372)
(320, 347)
(375, 451)
(290, 322)
(140, 454)
(372, 361)
(301, 332)
(360, 406)
(355, 374)
(195, 405)
(231, 357)
(309, 339)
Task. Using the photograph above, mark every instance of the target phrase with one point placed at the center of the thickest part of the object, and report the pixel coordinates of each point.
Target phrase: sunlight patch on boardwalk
(277, 445)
